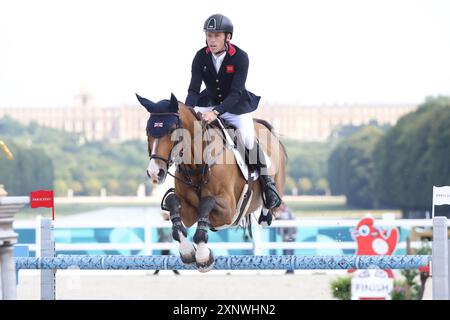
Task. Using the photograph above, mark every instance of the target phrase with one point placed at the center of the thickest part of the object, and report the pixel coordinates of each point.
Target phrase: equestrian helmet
(218, 23)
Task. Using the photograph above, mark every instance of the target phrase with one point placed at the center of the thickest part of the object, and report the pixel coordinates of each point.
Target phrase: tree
(128, 187)
(307, 160)
(77, 188)
(68, 160)
(93, 186)
(321, 186)
(351, 168)
(112, 186)
(61, 188)
(413, 157)
(289, 186)
(304, 185)
(10, 127)
(30, 170)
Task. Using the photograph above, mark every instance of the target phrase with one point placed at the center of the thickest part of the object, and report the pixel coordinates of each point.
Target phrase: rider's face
(216, 41)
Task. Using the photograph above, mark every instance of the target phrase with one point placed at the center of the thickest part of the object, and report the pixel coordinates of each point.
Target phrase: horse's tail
(277, 135)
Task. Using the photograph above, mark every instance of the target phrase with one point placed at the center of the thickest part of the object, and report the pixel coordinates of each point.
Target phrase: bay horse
(207, 191)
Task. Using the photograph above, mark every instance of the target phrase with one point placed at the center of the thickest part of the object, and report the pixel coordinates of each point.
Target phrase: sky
(319, 52)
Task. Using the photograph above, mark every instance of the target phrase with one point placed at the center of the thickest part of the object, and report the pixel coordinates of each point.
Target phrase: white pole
(1, 274)
(448, 265)
(256, 240)
(440, 259)
(147, 236)
(432, 203)
(8, 270)
(8, 238)
(47, 249)
(38, 236)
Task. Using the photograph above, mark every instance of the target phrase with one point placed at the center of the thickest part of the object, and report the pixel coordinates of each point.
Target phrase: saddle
(232, 142)
(241, 155)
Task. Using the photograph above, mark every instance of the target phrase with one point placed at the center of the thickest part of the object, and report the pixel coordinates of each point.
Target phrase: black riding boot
(271, 199)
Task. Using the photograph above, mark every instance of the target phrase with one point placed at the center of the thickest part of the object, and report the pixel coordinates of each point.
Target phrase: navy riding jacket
(226, 89)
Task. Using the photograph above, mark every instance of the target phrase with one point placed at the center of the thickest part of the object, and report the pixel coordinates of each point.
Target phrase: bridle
(181, 167)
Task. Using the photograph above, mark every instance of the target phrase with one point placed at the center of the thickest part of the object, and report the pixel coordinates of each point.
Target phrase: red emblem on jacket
(230, 69)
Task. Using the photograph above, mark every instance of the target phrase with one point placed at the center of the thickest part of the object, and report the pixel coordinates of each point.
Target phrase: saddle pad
(238, 156)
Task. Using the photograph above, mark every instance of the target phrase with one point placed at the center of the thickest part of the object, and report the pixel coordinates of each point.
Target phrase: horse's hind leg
(179, 232)
(204, 256)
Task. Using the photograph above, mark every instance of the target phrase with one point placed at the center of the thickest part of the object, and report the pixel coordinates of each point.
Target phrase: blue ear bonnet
(163, 116)
(160, 125)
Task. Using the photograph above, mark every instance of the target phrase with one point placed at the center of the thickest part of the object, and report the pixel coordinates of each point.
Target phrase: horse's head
(164, 119)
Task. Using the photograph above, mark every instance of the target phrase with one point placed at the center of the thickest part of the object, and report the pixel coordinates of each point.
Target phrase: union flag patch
(230, 69)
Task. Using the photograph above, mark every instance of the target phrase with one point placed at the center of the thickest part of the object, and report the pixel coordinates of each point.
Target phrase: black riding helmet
(218, 23)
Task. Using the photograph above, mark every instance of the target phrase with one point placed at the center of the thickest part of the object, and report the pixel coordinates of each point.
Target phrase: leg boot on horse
(179, 232)
(204, 257)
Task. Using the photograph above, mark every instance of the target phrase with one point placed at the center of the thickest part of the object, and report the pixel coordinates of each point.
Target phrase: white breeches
(243, 122)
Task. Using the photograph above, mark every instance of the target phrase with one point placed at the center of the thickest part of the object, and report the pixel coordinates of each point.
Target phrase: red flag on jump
(43, 198)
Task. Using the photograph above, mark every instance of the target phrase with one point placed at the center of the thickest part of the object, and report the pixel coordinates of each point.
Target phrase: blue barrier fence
(226, 262)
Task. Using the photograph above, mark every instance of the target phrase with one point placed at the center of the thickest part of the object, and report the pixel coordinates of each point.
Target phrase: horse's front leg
(179, 232)
(204, 256)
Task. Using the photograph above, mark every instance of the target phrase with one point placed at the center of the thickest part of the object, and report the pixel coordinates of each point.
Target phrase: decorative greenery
(341, 288)
(409, 288)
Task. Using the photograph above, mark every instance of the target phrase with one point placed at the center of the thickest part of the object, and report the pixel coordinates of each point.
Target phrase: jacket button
(217, 80)
(220, 96)
(218, 88)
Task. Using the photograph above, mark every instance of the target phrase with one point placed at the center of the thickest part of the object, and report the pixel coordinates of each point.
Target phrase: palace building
(302, 123)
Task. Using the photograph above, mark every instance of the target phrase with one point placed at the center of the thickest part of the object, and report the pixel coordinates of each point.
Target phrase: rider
(223, 68)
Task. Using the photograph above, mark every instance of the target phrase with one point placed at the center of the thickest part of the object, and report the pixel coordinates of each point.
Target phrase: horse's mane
(196, 115)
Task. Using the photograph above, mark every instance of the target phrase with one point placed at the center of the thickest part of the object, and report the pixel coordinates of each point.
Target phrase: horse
(207, 191)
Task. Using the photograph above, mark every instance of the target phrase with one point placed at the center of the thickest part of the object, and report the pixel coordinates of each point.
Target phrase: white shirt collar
(217, 60)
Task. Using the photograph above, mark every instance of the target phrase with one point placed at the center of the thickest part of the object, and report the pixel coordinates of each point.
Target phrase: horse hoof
(206, 266)
(189, 258)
